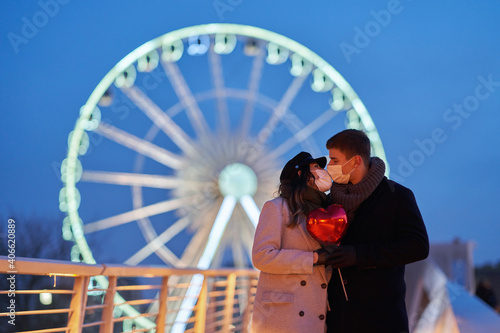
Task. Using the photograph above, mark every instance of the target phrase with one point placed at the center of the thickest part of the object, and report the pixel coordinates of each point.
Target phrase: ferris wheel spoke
(160, 118)
(158, 243)
(139, 145)
(224, 243)
(131, 179)
(247, 242)
(136, 214)
(185, 95)
(253, 87)
(148, 230)
(218, 82)
(214, 240)
(239, 258)
(281, 109)
(220, 224)
(251, 209)
(166, 255)
(304, 133)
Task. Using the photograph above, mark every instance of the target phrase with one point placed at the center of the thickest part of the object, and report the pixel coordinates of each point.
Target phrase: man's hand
(324, 253)
(342, 256)
(337, 256)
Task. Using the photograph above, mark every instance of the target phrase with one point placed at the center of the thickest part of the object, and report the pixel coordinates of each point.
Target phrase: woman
(291, 292)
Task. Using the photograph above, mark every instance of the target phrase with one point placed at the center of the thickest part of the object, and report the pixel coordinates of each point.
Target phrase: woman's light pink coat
(291, 292)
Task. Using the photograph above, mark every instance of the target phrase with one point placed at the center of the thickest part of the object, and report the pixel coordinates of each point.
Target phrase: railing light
(46, 298)
(55, 275)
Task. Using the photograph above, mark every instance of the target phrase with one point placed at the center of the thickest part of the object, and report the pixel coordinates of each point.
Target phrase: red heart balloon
(329, 225)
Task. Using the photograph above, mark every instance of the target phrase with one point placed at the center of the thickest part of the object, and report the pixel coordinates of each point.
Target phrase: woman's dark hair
(293, 191)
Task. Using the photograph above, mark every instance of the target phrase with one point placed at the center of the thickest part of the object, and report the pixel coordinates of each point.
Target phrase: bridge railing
(108, 298)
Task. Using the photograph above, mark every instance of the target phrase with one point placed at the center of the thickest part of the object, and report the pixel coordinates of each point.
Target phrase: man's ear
(357, 161)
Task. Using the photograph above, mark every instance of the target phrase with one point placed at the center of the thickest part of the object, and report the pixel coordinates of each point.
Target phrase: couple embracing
(299, 289)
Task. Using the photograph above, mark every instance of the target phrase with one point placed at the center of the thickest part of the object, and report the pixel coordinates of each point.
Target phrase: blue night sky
(429, 74)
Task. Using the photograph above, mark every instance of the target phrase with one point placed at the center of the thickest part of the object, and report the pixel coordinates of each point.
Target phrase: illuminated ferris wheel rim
(244, 30)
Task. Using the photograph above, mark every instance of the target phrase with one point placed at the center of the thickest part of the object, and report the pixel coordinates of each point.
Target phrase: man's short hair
(351, 142)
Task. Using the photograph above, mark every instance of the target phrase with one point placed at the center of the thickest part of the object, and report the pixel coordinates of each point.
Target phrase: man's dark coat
(388, 232)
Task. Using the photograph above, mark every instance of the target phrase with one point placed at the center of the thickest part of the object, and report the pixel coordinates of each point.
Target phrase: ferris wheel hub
(237, 180)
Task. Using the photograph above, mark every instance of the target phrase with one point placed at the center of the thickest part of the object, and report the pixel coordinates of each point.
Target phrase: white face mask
(322, 180)
(335, 172)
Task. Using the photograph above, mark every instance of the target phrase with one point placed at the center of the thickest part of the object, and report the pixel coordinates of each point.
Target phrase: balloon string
(343, 286)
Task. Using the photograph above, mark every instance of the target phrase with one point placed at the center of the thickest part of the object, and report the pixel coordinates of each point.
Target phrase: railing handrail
(34, 266)
(235, 284)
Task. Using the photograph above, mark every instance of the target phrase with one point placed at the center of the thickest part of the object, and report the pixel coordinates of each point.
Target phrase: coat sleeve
(411, 243)
(267, 252)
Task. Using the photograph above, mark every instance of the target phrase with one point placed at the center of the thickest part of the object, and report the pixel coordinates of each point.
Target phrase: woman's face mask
(322, 179)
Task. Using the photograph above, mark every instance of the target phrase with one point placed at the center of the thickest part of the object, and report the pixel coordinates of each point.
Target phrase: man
(385, 232)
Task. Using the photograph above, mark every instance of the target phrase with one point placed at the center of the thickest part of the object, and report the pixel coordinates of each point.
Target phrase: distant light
(354, 122)
(66, 203)
(148, 62)
(106, 98)
(299, 65)
(94, 119)
(224, 43)
(66, 229)
(339, 100)
(94, 284)
(198, 45)
(321, 82)
(75, 254)
(172, 52)
(76, 171)
(126, 78)
(276, 54)
(83, 144)
(46, 298)
(251, 47)
(78, 229)
(63, 206)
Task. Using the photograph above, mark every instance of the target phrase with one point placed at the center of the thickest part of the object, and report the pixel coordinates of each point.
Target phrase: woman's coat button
(303, 282)
(301, 313)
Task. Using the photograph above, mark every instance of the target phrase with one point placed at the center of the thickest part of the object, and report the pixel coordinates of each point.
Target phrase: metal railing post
(78, 303)
(247, 314)
(107, 311)
(201, 308)
(229, 304)
(162, 307)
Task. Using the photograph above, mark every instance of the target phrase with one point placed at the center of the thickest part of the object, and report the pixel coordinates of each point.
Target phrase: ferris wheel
(182, 142)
